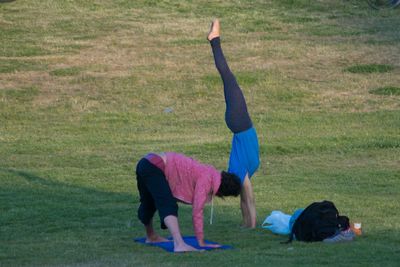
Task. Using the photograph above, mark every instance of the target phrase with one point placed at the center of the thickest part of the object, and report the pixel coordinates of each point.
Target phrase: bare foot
(156, 239)
(246, 227)
(185, 248)
(212, 245)
(214, 30)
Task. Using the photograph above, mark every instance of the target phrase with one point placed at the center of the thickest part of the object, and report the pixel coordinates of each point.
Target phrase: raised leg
(236, 116)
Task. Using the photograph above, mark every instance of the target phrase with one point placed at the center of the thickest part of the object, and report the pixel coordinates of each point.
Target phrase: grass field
(88, 87)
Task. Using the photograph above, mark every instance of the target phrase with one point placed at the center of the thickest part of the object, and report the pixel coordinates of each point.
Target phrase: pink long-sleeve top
(193, 183)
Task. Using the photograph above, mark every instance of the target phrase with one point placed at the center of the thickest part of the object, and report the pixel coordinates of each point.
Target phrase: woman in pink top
(163, 179)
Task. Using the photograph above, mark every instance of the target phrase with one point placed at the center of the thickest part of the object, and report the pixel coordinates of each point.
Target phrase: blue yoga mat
(190, 240)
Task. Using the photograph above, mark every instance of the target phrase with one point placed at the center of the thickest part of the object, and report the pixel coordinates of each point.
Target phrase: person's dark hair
(230, 185)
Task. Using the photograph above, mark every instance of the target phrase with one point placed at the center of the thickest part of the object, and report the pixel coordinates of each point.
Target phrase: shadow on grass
(37, 205)
(6, 1)
(48, 221)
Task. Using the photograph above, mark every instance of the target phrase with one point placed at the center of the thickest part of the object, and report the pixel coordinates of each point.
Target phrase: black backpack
(317, 222)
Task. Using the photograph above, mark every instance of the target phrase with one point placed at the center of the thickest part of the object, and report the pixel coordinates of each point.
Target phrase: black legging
(155, 193)
(237, 117)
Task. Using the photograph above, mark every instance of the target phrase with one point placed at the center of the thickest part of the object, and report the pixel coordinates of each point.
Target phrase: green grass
(65, 71)
(84, 86)
(12, 65)
(370, 68)
(19, 95)
(388, 90)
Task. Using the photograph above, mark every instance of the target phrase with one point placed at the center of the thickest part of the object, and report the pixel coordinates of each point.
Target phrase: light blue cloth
(277, 222)
(281, 223)
(244, 157)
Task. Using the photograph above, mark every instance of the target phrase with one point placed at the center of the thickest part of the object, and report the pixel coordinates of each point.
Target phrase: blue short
(244, 158)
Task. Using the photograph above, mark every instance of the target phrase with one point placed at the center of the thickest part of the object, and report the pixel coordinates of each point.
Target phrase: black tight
(155, 193)
(237, 117)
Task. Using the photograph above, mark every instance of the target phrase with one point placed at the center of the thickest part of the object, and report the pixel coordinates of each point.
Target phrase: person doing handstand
(244, 156)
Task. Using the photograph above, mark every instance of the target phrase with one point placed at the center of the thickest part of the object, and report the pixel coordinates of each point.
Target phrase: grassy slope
(84, 86)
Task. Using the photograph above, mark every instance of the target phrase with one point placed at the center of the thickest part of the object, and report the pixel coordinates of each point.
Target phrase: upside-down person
(244, 157)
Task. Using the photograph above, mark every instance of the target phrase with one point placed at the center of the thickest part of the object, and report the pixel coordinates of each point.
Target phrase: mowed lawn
(88, 87)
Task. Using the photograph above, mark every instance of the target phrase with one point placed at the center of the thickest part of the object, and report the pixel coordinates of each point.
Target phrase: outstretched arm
(199, 201)
(247, 204)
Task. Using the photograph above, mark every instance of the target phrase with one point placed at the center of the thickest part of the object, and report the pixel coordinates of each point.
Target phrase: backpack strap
(296, 215)
(290, 240)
